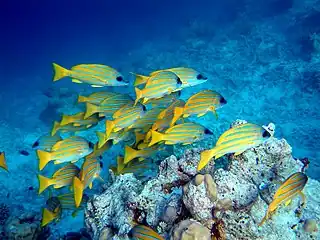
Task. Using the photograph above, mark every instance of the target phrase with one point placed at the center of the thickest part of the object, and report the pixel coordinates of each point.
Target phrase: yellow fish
(168, 112)
(142, 232)
(145, 122)
(78, 120)
(115, 137)
(125, 117)
(185, 133)
(67, 150)
(130, 153)
(188, 76)
(96, 98)
(199, 104)
(164, 101)
(96, 75)
(55, 205)
(108, 106)
(159, 85)
(61, 178)
(136, 167)
(290, 188)
(69, 128)
(99, 151)
(3, 163)
(46, 142)
(235, 140)
(90, 170)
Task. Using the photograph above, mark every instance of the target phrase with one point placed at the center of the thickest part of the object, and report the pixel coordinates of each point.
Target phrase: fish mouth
(208, 131)
(223, 100)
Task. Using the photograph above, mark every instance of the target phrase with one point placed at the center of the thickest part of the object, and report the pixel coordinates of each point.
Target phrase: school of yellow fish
(146, 125)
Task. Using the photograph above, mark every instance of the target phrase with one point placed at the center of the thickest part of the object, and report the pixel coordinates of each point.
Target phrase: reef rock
(110, 209)
(190, 230)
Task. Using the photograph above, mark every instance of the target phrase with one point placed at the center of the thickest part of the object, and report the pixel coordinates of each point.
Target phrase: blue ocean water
(262, 56)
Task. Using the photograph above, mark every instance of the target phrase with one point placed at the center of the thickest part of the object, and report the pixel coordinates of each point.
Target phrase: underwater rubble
(217, 203)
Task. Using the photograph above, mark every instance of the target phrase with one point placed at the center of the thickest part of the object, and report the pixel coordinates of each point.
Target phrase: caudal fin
(138, 95)
(82, 99)
(3, 163)
(90, 110)
(109, 128)
(156, 137)
(129, 154)
(59, 72)
(101, 139)
(140, 79)
(47, 217)
(205, 157)
(65, 120)
(44, 158)
(55, 128)
(178, 111)
(44, 183)
(78, 191)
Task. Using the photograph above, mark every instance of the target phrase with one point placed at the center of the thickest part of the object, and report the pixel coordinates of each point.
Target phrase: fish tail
(44, 183)
(44, 158)
(156, 137)
(109, 127)
(101, 139)
(47, 217)
(82, 99)
(65, 120)
(59, 72)
(138, 95)
(205, 157)
(178, 111)
(90, 110)
(148, 136)
(78, 191)
(263, 220)
(3, 163)
(140, 79)
(55, 128)
(129, 154)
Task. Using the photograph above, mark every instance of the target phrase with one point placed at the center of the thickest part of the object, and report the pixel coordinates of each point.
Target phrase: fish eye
(207, 131)
(101, 164)
(119, 79)
(201, 77)
(179, 82)
(144, 108)
(223, 100)
(266, 134)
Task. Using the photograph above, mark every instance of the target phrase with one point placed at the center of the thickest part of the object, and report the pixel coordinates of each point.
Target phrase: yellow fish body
(159, 85)
(145, 122)
(135, 167)
(185, 133)
(69, 128)
(199, 104)
(169, 111)
(96, 98)
(235, 140)
(130, 153)
(188, 76)
(61, 178)
(108, 106)
(89, 171)
(99, 151)
(125, 117)
(114, 137)
(68, 150)
(290, 188)
(3, 163)
(78, 120)
(142, 232)
(97, 75)
(164, 101)
(46, 142)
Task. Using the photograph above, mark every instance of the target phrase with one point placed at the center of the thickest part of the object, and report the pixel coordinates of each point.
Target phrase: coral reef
(26, 227)
(220, 203)
(4, 213)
